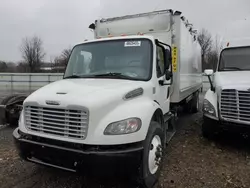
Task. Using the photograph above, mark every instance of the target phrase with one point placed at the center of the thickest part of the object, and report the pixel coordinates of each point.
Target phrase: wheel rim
(155, 154)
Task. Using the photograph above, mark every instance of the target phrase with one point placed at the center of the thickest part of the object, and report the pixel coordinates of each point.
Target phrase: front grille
(235, 105)
(69, 123)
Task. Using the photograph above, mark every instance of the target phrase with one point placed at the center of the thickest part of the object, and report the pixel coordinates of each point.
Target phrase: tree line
(33, 58)
(33, 55)
(210, 48)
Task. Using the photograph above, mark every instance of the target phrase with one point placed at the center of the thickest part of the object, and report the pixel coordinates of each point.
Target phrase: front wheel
(152, 155)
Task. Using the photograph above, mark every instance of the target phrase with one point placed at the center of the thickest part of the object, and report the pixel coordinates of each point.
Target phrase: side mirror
(209, 72)
(168, 75)
(168, 59)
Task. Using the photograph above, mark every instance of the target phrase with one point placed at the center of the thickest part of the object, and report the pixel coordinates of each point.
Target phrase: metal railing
(26, 82)
(11, 83)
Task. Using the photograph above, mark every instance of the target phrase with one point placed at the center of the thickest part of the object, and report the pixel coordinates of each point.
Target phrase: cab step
(169, 121)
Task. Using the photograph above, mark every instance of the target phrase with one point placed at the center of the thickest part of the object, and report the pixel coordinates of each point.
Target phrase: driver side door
(162, 90)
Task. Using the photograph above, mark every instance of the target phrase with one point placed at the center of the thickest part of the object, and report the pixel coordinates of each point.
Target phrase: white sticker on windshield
(132, 43)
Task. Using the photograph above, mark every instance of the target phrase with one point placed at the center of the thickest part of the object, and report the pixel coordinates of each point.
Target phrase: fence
(26, 82)
(29, 82)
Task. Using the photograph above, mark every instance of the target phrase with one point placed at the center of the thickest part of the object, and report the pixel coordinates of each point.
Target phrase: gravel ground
(191, 161)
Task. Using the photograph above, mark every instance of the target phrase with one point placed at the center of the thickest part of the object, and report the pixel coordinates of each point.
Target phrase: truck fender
(143, 108)
(212, 98)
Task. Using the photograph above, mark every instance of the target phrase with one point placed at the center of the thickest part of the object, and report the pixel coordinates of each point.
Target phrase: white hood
(86, 92)
(104, 101)
(232, 79)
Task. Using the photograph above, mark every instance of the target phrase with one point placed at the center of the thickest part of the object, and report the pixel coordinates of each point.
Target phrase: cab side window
(160, 67)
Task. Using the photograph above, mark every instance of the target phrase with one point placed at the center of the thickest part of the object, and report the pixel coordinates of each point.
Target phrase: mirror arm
(211, 83)
(158, 42)
(161, 82)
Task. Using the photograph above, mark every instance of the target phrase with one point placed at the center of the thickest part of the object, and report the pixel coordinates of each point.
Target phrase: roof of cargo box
(157, 21)
(136, 15)
(139, 37)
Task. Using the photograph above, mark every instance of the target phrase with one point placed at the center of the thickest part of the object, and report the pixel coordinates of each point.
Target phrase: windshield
(235, 59)
(122, 59)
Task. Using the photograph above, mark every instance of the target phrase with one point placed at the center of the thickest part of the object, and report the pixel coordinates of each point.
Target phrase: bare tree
(22, 67)
(213, 54)
(60, 62)
(3, 66)
(212, 59)
(205, 40)
(65, 56)
(32, 52)
(7, 66)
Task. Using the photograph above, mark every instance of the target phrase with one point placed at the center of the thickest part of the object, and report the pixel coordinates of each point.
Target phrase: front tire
(152, 155)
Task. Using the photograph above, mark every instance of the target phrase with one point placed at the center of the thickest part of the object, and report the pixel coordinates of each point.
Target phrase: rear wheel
(12, 111)
(195, 103)
(152, 155)
(7, 99)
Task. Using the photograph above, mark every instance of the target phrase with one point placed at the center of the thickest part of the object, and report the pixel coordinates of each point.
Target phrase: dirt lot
(191, 161)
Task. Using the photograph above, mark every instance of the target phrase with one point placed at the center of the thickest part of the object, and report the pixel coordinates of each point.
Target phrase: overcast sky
(63, 23)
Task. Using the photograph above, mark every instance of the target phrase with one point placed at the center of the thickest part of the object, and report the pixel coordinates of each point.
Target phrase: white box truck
(118, 95)
(227, 103)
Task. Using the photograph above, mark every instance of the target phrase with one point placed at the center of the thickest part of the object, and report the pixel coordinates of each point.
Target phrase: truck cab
(227, 102)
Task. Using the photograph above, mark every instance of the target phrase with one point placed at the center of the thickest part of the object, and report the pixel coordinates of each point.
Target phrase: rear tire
(195, 103)
(6, 100)
(10, 119)
(152, 156)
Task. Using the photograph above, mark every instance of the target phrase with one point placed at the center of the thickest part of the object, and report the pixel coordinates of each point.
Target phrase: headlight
(208, 108)
(126, 126)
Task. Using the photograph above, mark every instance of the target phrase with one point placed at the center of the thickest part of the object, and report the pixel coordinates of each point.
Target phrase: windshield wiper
(113, 75)
(110, 74)
(72, 76)
(231, 68)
